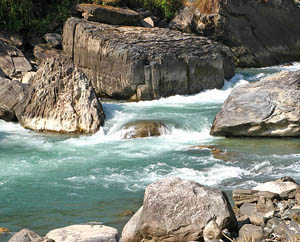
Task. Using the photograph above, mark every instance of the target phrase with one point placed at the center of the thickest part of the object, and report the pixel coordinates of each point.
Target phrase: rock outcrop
(259, 33)
(144, 128)
(84, 233)
(268, 108)
(179, 210)
(11, 93)
(61, 99)
(109, 14)
(12, 61)
(142, 63)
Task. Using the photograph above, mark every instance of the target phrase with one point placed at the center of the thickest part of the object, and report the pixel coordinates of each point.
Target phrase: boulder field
(144, 64)
(267, 108)
(259, 32)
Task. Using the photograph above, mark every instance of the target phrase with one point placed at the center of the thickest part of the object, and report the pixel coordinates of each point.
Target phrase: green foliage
(33, 16)
(166, 8)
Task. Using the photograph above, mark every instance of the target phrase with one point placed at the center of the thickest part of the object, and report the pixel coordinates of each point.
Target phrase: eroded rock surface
(268, 108)
(260, 33)
(179, 210)
(61, 99)
(142, 63)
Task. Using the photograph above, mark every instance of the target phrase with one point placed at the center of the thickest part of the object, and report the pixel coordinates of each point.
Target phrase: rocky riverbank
(181, 210)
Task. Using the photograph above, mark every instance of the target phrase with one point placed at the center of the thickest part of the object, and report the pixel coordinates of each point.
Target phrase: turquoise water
(49, 181)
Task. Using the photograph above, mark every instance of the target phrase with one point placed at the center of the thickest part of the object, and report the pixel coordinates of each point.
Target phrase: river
(50, 181)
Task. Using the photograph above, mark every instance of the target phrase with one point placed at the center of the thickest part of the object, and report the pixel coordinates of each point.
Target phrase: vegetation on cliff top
(39, 17)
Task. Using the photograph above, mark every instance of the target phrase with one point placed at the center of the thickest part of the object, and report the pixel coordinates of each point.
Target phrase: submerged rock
(259, 33)
(142, 63)
(84, 233)
(61, 99)
(267, 108)
(144, 128)
(108, 14)
(11, 93)
(179, 210)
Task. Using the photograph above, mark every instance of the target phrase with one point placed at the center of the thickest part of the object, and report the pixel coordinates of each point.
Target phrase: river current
(50, 181)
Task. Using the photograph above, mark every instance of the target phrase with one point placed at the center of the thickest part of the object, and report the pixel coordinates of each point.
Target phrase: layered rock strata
(142, 63)
(268, 108)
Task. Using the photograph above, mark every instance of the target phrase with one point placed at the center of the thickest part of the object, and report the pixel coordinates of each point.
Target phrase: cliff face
(144, 64)
(259, 32)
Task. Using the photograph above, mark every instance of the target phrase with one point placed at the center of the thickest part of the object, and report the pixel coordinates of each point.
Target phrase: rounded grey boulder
(178, 210)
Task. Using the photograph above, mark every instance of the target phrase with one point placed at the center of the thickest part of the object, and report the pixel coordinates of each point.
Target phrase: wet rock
(61, 99)
(43, 51)
(251, 233)
(108, 14)
(246, 27)
(11, 93)
(178, 210)
(268, 108)
(4, 230)
(144, 64)
(53, 39)
(84, 233)
(144, 128)
(12, 61)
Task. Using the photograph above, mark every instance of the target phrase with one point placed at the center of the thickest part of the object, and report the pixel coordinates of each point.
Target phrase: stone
(144, 128)
(241, 196)
(251, 233)
(268, 108)
(60, 99)
(11, 94)
(179, 210)
(108, 14)
(53, 39)
(212, 232)
(12, 61)
(264, 205)
(277, 186)
(143, 63)
(257, 218)
(297, 195)
(28, 77)
(246, 26)
(43, 51)
(248, 209)
(25, 235)
(147, 22)
(84, 233)
(4, 230)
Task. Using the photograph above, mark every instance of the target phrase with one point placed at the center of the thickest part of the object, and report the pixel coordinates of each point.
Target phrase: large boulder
(84, 233)
(61, 99)
(179, 210)
(11, 93)
(268, 108)
(259, 32)
(108, 14)
(142, 63)
(12, 60)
